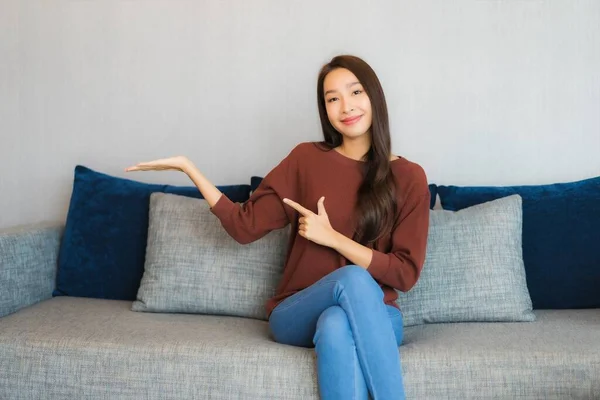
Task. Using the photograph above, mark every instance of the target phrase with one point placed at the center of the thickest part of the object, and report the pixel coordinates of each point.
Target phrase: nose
(346, 107)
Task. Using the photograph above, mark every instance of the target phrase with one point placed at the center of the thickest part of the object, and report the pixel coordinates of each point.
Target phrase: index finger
(136, 167)
(297, 207)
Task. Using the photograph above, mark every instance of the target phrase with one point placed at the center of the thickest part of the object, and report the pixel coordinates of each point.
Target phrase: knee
(333, 328)
(356, 277)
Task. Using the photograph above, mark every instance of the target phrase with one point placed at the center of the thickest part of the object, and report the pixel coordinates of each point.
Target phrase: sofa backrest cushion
(194, 266)
(561, 239)
(103, 249)
(473, 269)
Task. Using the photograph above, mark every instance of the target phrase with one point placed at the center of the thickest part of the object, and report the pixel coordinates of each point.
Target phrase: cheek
(366, 105)
(368, 112)
(331, 113)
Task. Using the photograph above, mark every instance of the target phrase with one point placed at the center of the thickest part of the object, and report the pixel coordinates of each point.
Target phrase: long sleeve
(264, 211)
(401, 266)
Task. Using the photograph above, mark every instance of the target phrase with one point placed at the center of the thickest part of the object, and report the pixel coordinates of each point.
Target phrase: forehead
(338, 79)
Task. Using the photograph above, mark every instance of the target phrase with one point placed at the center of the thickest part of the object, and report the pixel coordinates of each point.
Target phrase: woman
(359, 220)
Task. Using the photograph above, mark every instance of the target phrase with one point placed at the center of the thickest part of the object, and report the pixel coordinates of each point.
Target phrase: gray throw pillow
(194, 266)
(473, 267)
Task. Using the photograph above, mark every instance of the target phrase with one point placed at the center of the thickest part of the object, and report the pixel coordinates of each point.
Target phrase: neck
(355, 148)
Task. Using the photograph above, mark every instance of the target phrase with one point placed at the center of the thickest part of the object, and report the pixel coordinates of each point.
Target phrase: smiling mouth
(352, 120)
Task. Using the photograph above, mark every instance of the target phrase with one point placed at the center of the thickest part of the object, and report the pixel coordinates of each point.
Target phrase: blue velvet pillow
(103, 249)
(561, 239)
(256, 180)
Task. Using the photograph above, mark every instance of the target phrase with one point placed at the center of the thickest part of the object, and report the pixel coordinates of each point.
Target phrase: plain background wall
(479, 92)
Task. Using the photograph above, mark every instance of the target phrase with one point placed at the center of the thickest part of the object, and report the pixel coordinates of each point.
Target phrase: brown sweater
(305, 175)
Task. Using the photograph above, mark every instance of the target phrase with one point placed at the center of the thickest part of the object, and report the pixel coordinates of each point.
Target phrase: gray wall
(479, 92)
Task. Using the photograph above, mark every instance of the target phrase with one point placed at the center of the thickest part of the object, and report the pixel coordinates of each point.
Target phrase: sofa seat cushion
(555, 357)
(69, 347)
(76, 348)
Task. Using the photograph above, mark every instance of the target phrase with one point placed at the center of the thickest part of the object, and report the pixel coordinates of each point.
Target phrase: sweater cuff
(380, 264)
(223, 208)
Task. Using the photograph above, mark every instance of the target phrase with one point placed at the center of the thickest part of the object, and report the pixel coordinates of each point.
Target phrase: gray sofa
(83, 348)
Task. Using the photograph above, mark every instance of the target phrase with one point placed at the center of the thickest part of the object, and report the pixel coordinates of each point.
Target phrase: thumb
(321, 206)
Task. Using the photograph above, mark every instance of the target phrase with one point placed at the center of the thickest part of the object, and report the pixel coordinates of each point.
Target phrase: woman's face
(347, 104)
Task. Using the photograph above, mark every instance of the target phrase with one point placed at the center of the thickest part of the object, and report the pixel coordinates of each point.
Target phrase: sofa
(74, 324)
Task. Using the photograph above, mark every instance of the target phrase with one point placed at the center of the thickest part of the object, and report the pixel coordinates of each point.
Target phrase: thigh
(294, 320)
(395, 316)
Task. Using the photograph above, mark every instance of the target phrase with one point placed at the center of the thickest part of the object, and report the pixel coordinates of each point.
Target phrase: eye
(332, 99)
(357, 92)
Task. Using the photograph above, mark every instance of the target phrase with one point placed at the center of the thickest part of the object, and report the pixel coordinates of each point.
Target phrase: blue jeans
(355, 335)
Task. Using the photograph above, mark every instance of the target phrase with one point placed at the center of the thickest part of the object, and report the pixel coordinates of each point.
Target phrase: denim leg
(352, 288)
(397, 321)
(339, 373)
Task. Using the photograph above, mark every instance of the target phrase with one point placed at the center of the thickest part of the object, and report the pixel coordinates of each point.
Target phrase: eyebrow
(348, 85)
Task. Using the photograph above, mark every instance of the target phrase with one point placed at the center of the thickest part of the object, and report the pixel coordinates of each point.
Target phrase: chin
(353, 133)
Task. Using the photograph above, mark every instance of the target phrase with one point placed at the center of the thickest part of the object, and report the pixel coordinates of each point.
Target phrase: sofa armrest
(28, 260)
